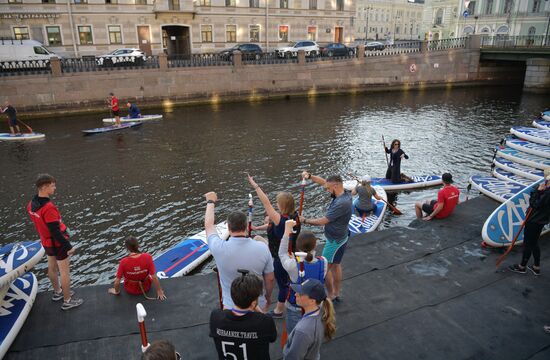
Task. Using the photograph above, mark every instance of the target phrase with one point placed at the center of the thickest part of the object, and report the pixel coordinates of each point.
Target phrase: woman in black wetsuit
(394, 165)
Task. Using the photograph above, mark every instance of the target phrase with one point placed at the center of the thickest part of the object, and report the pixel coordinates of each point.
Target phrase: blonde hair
(285, 200)
(329, 319)
(367, 185)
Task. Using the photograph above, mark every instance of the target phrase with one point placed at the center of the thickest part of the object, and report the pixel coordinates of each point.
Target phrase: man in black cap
(447, 198)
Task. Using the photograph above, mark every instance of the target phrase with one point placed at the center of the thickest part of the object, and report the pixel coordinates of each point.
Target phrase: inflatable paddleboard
(21, 137)
(18, 258)
(187, 255)
(542, 124)
(508, 176)
(371, 222)
(531, 134)
(528, 147)
(518, 169)
(524, 158)
(419, 181)
(496, 189)
(545, 115)
(128, 119)
(14, 309)
(111, 128)
(501, 226)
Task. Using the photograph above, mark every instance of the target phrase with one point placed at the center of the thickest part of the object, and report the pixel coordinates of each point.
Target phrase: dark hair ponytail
(306, 242)
(132, 244)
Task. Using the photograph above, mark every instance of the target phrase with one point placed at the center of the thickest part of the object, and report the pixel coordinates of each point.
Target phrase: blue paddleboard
(524, 158)
(503, 224)
(545, 115)
(518, 169)
(496, 189)
(528, 147)
(542, 124)
(18, 258)
(508, 176)
(112, 128)
(371, 222)
(21, 137)
(15, 306)
(531, 134)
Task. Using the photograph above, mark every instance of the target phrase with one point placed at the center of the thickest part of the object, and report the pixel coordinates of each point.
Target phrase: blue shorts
(334, 250)
(13, 122)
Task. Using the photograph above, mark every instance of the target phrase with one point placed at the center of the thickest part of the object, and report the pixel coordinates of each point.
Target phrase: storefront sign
(30, 16)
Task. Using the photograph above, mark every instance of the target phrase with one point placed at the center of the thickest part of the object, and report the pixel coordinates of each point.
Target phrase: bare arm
(317, 222)
(115, 290)
(209, 217)
(269, 282)
(160, 292)
(316, 179)
(437, 209)
(271, 212)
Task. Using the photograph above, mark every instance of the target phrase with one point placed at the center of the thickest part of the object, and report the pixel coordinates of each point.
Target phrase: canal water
(149, 182)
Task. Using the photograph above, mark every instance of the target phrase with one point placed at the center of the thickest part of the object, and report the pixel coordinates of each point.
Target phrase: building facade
(388, 19)
(176, 27)
(450, 18)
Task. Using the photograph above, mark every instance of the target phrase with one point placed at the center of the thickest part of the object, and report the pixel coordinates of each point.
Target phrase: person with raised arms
(275, 231)
(240, 332)
(318, 322)
(238, 252)
(447, 199)
(138, 271)
(300, 268)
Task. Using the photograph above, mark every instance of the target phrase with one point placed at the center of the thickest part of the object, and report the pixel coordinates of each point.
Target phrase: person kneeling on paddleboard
(138, 271)
(365, 191)
(447, 199)
(133, 111)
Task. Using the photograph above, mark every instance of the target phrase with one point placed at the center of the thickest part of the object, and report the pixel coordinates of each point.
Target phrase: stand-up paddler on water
(394, 162)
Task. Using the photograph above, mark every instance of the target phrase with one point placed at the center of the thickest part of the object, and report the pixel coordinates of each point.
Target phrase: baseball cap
(447, 177)
(312, 288)
(365, 178)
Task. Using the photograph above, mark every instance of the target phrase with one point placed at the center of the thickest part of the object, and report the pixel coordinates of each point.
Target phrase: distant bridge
(515, 48)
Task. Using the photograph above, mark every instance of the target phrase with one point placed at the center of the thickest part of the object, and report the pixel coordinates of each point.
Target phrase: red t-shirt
(448, 198)
(46, 214)
(114, 103)
(135, 269)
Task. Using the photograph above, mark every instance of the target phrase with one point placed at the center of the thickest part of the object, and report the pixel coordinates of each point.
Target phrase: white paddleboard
(128, 119)
(528, 147)
(496, 189)
(518, 169)
(21, 137)
(18, 258)
(508, 176)
(371, 222)
(531, 134)
(523, 158)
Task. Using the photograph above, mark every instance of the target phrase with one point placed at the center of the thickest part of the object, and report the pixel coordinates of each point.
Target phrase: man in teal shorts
(336, 222)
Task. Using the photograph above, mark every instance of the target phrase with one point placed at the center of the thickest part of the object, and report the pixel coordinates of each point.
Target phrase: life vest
(37, 218)
(275, 233)
(314, 270)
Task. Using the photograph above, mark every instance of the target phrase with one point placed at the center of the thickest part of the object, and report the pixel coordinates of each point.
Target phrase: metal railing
(445, 44)
(523, 41)
(91, 63)
(24, 67)
(269, 58)
(206, 59)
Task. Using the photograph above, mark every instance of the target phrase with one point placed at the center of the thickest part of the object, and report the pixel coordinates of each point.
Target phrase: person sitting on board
(336, 222)
(299, 268)
(133, 111)
(275, 231)
(539, 216)
(447, 199)
(161, 350)
(11, 114)
(238, 252)
(138, 271)
(364, 205)
(115, 110)
(394, 165)
(55, 240)
(304, 342)
(240, 332)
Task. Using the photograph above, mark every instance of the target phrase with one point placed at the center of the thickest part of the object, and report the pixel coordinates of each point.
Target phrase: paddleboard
(187, 255)
(524, 158)
(508, 176)
(111, 128)
(528, 147)
(542, 123)
(501, 226)
(14, 309)
(128, 119)
(18, 258)
(419, 181)
(371, 222)
(531, 134)
(496, 189)
(521, 170)
(21, 137)
(545, 115)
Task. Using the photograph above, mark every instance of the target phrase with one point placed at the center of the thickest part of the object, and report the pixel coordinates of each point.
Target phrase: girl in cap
(304, 342)
(394, 166)
(364, 204)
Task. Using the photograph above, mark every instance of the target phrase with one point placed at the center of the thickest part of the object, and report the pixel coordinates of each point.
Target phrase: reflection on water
(149, 182)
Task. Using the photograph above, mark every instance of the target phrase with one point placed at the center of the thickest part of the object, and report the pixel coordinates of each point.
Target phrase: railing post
(424, 46)
(55, 66)
(163, 61)
(237, 59)
(361, 51)
(474, 42)
(301, 57)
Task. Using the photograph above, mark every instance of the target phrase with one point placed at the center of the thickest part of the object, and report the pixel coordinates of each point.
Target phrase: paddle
(215, 269)
(27, 126)
(141, 314)
(500, 146)
(385, 153)
(300, 207)
(395, 210)
(503, 256)
(250, 208)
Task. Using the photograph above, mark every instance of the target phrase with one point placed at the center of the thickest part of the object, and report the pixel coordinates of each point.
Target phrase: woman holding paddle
(365, 191)
(394, 162)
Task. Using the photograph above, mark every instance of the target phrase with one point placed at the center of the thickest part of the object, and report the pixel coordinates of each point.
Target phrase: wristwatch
(210, 202)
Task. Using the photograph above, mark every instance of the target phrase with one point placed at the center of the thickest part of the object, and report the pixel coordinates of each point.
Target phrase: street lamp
(475, 23)
(367, 22)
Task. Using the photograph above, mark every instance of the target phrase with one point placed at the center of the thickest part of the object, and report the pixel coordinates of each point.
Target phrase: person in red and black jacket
(115, 109)
(55, 240)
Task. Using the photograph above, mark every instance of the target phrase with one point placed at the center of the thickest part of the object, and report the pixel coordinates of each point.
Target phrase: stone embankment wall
(87, 91)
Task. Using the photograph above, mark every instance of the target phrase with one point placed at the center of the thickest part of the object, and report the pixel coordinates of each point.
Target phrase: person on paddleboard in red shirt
(115, 109)
(138, 271)
(55, 240)
(447, 199)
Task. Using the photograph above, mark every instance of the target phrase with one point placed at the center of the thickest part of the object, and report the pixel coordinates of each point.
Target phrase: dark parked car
(249, 51)
(336, 49)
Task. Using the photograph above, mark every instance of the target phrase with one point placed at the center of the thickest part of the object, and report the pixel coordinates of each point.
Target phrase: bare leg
(12, 130)
(337, 279)
(64, 270)
(52, 273)
(329, 282)
(418, 209)
(279, 308)
(117, 120)
(18, 129)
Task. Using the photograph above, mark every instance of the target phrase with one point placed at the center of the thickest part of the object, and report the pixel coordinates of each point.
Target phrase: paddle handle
(385, 153)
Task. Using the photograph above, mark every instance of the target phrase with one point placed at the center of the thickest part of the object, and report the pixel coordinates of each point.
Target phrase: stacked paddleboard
(18, 288)
(358, 225)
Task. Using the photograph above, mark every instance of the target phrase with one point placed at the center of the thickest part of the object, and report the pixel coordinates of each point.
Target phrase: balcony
(174, 6)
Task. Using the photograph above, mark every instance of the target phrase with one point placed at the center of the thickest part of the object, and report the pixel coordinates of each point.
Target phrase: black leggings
(531, 235)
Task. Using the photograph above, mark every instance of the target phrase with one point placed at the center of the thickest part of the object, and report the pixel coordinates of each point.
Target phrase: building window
(48, 1)
(206, 33)
(254, 3)
(231, 33)
(174, 5)
(339, 5)
(85, 35)
(313, 4)
(283, 4)
(204, 2)
(254, 33)
(312, 33)
(21, 33)
(536, 6)
(489, 7)
(508, 6)
(15, 1)
(472, 7)
(115, 34)
(438, 17)
(54, 35)
(111, 2)
(141, 2)
(230, 3)
(283, 33)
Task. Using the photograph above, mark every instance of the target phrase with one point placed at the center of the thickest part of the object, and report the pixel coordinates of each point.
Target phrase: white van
(19, 54)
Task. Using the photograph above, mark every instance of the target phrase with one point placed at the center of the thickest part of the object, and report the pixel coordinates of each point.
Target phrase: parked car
(336, 49)
(311, 48)
(249, 51)
(22, 54)
(375, 45)
(125, 56)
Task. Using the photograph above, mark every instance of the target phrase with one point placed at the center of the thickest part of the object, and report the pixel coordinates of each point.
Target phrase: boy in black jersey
(241, 333)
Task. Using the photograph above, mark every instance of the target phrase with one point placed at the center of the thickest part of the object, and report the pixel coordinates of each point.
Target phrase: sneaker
(275, 315)
(517, 269)
(337, 300)
(59, 296)
(533, 270)
(72, 303)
